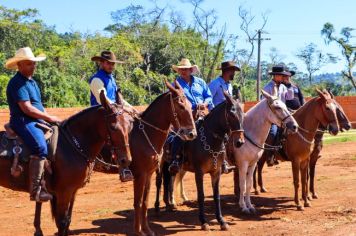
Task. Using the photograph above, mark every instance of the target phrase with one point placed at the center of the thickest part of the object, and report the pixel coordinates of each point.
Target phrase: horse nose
(192, 134)
(292, 126)
(239, 142)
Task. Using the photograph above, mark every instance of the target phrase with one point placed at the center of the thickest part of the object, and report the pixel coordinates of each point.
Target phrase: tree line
(150, 41)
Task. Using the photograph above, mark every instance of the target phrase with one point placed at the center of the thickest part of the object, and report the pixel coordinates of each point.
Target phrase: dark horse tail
(54, 206)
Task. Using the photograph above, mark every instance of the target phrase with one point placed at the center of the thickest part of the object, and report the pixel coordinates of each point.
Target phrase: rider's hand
(54, 119)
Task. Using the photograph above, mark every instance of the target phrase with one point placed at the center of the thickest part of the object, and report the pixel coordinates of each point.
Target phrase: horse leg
(242, 178)
(168, 181)
(37, 220)
(255, 181)
(304, 177)
(295, 169)
(249, 179)
(70, 211)
(181, 186)
(312, 165)
(260, 165)
(158, 189)
(215, 181)
(139, 185)
(146, 193)
(62, 210)
(236, 183)
(200, 192)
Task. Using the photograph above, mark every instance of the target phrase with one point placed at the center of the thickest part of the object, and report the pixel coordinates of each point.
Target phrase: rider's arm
(33, 112)
(96, 86)
(208, 99)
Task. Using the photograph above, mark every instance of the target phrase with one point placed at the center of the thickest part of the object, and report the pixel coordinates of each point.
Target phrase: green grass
(348, 136)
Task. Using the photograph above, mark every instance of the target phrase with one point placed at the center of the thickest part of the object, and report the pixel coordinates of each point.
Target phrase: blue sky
(291, 25)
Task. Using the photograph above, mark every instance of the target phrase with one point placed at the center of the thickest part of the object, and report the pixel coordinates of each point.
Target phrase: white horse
(257, 123)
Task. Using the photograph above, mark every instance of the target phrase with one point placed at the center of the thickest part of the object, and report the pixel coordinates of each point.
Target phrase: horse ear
(177, 85)
(227, 97)
(331, 94)
(119, 98)
(104, 102)
(265, 94)
(170, 87)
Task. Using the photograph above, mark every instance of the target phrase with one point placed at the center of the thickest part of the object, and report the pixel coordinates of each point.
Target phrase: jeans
(32, 136)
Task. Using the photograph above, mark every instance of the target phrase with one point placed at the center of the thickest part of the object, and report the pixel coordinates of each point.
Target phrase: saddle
(12, 147)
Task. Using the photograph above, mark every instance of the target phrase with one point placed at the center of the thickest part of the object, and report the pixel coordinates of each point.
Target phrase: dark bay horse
(319, 110)
(205, 154)
(80, 139)
(147, 138)
(344, 124)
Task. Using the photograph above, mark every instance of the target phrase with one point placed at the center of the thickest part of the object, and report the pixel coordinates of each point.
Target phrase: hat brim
(229, 67)
(280, 73)
(194, 67)
(99, 58)
(12, 62)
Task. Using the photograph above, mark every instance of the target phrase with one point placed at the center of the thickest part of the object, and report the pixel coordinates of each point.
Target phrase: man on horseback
(104, 80)
(26, 110)
(220, 84)
(199, 95)
(280, 83)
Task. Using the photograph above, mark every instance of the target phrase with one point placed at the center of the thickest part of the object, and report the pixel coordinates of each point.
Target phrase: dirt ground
(105, 205)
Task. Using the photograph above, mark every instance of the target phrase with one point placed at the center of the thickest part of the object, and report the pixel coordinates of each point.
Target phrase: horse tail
(54, 207)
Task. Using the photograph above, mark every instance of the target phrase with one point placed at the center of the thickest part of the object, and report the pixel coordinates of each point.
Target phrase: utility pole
(259, 75)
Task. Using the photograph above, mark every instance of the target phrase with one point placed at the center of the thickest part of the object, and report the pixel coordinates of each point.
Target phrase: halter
(229, 127)
(274, 112)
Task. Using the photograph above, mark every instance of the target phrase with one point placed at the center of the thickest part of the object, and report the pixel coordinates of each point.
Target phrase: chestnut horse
(149, 133)
(297, 147)
(80, 139)
(205, 154)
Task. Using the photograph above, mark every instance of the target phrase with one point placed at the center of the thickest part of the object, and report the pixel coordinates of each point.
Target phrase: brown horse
(297, 147)
(147, 139)
(344, 124)
(80, 139)
(205, 154)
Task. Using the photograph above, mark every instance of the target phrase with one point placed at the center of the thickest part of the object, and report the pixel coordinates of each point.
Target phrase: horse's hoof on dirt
(263, 190)
(224, 227)
(315, 196)
(205, 227)
(300, 208)
(245, 211)
(171, 208)
(257, 192)
(252, 210)
(307, 204)
(310, 198)
(39, 233)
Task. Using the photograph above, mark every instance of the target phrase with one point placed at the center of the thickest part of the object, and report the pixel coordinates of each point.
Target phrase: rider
(298, 99)
(26, 110)
(220, 84)
(103, 79)
(281, 84)
(199, 95)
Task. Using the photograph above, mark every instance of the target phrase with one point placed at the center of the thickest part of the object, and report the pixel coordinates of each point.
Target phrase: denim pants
(32, 136)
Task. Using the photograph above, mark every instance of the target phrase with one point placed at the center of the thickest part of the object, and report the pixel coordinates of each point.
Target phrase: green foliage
(4, 80)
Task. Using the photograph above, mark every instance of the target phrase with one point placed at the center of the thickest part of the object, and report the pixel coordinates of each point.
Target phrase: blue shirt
(109, 84)
(19, 89)
(198, 92)
(284, 93)
(216, 87)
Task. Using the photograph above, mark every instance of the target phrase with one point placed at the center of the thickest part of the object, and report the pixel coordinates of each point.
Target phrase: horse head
(280, 114)
(328, 115)
(234, 117)
(181, 112)
(344, 122)
(118, 126)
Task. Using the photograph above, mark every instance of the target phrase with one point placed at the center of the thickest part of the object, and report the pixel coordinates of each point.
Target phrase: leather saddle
(11, 134)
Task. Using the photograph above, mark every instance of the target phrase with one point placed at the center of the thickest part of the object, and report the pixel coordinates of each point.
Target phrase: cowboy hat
(23, 54)
(107, 56)
(228, 65)
(185, 64)
(279, 70)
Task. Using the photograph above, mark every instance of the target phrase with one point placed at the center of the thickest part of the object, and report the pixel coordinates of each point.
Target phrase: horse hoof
(205, 227)
(252, 210)
(224, 227)
(38, 233)
(310, 198)
(171, 208)
(257, 192)
(263, 190)
(315, 196)
(307, 204)
(300, 208)
(246, 211)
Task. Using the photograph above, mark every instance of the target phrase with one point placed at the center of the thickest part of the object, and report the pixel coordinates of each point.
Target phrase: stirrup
(174, 167)
(41, 195)
(126, 175)
(226, 168)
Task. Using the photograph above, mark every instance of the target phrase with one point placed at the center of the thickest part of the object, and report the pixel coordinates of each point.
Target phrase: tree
(314, 59)
(347, 50)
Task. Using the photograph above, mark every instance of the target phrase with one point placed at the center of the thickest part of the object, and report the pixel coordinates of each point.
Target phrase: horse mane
(154, 102)
(215, 108)
(305, 106)
(80, 114)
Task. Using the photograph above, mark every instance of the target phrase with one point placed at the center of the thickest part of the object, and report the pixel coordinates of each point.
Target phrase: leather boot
(37, 193)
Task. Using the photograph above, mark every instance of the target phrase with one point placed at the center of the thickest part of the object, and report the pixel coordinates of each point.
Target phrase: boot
(126, 175)
(37, 193)
(226, 168)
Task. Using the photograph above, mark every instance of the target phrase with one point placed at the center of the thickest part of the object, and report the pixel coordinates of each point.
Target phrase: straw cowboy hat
(279, 70)
(23, 54)
(226, 65)
(185, 64)
(107, 56)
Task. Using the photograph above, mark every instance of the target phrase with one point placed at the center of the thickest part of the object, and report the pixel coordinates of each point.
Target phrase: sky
(291, 25)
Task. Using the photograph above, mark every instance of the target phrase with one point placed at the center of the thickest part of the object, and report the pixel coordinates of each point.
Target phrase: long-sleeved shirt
(197, 93)
(283, 92)
(216, 87)
(298, 99)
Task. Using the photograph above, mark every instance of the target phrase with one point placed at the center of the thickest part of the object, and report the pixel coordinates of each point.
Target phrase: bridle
(229, 126)
(274, 111)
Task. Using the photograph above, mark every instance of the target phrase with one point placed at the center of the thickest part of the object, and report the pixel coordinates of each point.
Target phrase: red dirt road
(105, 205)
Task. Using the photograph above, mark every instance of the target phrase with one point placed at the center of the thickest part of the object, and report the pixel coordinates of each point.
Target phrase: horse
(205, 153)
(150, 130)
(258, 121)
(344, 124)
(80, 139)
(297, 147)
